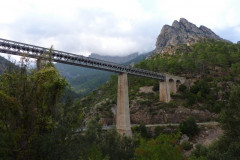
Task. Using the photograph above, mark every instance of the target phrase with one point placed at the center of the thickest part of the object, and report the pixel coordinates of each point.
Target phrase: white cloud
(110, 27)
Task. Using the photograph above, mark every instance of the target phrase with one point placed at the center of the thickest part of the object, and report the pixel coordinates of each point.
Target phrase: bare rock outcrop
(177, 115)
(183, 32)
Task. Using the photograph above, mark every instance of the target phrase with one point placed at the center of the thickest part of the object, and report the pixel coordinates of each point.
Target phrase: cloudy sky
(110, 27)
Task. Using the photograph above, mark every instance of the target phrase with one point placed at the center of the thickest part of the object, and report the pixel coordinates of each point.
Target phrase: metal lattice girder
(32, 51)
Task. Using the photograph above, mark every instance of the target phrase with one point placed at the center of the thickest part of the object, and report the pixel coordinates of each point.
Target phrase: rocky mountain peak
(183, 32)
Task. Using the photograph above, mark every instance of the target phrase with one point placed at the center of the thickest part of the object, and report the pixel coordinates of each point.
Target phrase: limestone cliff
(182, 32)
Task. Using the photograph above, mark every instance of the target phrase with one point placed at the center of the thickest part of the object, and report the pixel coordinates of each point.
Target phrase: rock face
(183, 32)
(176, 115)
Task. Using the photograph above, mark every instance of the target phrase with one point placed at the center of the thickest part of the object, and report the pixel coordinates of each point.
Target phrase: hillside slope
(211, 68)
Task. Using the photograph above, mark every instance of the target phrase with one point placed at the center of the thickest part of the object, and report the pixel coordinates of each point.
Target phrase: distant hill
(85, 80)
(115, 59)
(4, 64)
(138, 58)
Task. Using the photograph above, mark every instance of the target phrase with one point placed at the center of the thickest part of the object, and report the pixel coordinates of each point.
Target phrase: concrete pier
(123, 115)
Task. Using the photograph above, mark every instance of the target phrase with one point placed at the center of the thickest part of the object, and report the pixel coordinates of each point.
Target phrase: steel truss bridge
(32, 51)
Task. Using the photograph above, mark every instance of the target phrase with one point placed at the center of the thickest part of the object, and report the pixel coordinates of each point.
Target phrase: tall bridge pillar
(164, 91)
(123, 115)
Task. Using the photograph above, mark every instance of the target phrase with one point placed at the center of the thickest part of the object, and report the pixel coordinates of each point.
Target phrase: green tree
(34, 121)
(164, 147)
(189, 127)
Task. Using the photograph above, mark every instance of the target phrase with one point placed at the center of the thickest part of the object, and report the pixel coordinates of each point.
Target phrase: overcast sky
(110, 27)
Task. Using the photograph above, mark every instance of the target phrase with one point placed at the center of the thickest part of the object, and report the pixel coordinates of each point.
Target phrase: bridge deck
(32, 51)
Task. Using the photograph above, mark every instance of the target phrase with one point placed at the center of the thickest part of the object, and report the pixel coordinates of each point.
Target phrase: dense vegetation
(39, 121)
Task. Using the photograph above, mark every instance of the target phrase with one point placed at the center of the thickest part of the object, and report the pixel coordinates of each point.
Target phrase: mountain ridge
(115, 59)
(183, 32)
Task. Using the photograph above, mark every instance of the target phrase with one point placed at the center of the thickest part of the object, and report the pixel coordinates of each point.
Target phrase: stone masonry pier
(170, 85)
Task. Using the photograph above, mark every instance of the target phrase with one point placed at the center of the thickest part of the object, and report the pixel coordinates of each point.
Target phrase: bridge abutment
(172, 86)
(123, 115)
(168, 86)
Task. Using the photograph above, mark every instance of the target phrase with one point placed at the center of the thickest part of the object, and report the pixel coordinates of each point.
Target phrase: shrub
(141, 129)
(182, 88)
(164, 147)
(158, 130)
(199, 151)
(186, 145)
(189, 127)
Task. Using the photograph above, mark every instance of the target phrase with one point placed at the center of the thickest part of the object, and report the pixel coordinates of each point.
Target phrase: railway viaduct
(167, 83)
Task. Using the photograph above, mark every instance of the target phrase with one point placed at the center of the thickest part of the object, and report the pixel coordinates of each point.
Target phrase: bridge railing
(32, 51)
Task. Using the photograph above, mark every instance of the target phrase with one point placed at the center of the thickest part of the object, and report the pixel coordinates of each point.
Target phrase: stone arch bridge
(167, 83)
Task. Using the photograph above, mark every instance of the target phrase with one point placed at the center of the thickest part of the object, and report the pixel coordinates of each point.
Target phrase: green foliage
(235, 68)
(197, 158)
(36, 123)
(141, 129)
(108, 144)
(227, 146)
(198, 59)
(205, 93)
(158, 130)
(199, 151)
(164, 147)
(230, 116)
(182, 88)
(199, 92)
(186, 145)
(189, 127)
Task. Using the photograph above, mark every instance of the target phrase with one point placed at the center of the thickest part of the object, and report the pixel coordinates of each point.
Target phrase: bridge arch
(168, 86)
